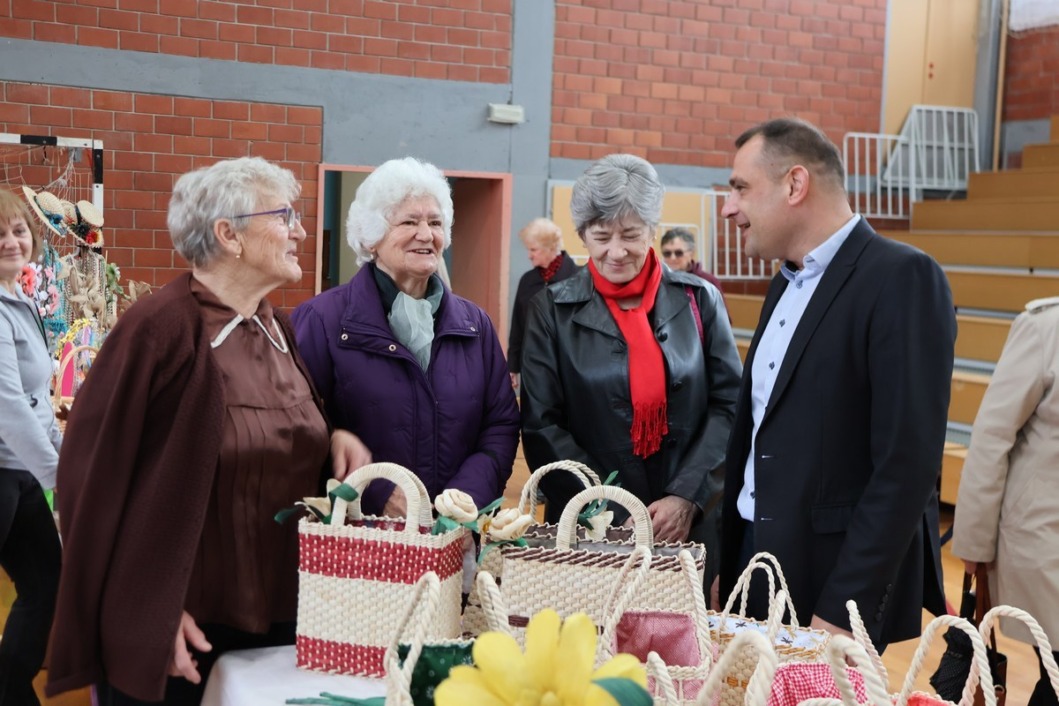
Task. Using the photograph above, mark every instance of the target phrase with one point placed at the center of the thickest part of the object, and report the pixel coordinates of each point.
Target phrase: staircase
(999, 249)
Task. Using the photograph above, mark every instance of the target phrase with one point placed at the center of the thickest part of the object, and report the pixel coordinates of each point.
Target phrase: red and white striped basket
(358, 575)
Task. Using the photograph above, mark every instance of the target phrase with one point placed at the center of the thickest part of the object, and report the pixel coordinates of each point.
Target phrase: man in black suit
(837, 443)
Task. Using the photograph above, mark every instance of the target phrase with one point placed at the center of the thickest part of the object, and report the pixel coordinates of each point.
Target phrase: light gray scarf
(412, 321)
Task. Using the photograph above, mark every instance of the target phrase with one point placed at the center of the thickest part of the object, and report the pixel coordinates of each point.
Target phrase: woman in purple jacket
(414, 371)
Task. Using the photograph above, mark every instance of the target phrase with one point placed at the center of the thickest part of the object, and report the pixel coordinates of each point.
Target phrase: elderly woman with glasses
(196, 424)
(630, 366)
(414, 371)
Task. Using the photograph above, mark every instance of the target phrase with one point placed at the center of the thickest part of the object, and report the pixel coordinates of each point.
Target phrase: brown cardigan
(134, 480)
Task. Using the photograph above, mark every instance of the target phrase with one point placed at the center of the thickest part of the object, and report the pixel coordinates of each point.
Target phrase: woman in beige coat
(1007, 510)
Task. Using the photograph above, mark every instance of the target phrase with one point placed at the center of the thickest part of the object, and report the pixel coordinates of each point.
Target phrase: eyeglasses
(291, 217)
(673, 253)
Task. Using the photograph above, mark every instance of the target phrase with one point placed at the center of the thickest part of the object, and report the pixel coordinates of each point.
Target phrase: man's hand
(671, 518)
(348, 453)
(396, 505)
(819, 623)
(183, 664)
(715, 594)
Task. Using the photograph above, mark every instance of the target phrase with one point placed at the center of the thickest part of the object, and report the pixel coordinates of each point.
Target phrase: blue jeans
(31, 555)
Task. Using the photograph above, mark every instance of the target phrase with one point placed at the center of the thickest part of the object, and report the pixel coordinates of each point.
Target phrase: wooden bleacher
(993, 246)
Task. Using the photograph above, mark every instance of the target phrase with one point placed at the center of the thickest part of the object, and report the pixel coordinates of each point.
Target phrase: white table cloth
(268, 677)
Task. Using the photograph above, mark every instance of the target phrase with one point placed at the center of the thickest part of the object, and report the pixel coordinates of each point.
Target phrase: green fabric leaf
(490, 507)
(625, 691)
(283, 515)
(444, 524)
(520, 542)
(328, 699)
(344, 491)
(611, 479)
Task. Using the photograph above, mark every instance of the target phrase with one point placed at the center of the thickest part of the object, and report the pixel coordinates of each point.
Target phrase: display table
(268, 677)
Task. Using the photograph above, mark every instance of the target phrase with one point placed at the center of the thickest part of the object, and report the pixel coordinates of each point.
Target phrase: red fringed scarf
(647, 372)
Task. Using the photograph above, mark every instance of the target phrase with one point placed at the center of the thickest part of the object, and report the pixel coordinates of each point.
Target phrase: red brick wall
(1031, 75)
(675, 81)
(466, 40)
(150, 140)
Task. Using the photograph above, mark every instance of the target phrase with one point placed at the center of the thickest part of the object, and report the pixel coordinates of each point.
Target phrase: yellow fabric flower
(555, 670)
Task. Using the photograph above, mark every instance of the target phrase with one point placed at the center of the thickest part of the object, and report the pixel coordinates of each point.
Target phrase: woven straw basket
(572, 577)
(474, 620)
(357, 577)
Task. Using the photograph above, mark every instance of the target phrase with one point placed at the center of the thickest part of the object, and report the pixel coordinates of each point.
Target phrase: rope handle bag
(403, 683)
(684, 672)
(1043, 644)
(474, 619)
(734, 659)
(979, 666)
(493, 607)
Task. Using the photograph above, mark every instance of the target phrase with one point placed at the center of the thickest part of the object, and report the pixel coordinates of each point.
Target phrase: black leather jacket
(575, 391)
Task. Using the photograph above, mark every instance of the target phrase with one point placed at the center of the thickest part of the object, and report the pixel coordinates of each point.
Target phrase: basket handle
(839, 648)
(527, 502)
(771, 566)
(757, 691)
(665, 691)
(70, 356)
(860, 634)
(493, 606)
(985, 628)
(415, 493)
(979, 663)
(399, 677)
(566, 535)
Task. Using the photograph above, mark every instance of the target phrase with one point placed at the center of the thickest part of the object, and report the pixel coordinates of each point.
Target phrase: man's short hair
(796, 141)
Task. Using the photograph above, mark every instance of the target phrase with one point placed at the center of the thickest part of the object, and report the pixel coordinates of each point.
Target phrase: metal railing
(867, 157)
(936, 150)
(727, 256)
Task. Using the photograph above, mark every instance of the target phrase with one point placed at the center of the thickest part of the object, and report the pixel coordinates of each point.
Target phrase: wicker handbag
(843, 685)
(357, 576)
(674, 643)
(416, 667)
(791, 642)
(574, 577)
(61, 403)
(474, 621)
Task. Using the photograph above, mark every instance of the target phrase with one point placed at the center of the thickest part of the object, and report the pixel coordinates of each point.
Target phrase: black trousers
(31, 555)
(181, 692)
(1043, 694)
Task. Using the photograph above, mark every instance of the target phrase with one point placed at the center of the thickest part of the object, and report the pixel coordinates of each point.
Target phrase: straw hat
(50, 210)
(87, 227)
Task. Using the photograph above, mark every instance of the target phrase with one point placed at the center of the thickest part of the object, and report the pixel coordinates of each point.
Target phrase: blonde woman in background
(544, 245)
(29, 453)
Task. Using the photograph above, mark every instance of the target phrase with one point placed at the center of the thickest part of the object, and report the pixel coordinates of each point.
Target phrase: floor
(1022, 666)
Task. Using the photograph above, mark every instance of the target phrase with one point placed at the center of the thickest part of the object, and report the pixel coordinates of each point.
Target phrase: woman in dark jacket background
(414, 371)
(616, 371)
(544, 244)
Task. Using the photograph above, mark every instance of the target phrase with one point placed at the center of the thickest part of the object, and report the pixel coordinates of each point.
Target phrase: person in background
(836, 449)
(544, 244)
(1007, 509)
(29, 452)
(678, 252)
(414, 371)
(196, 424)
(630, 366)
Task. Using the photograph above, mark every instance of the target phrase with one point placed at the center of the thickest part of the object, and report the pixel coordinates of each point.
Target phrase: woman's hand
(671, 518)
(183, 664)
(396, 505)
(348, 453)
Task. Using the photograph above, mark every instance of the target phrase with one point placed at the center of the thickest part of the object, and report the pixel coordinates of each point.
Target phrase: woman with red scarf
(629, 366)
